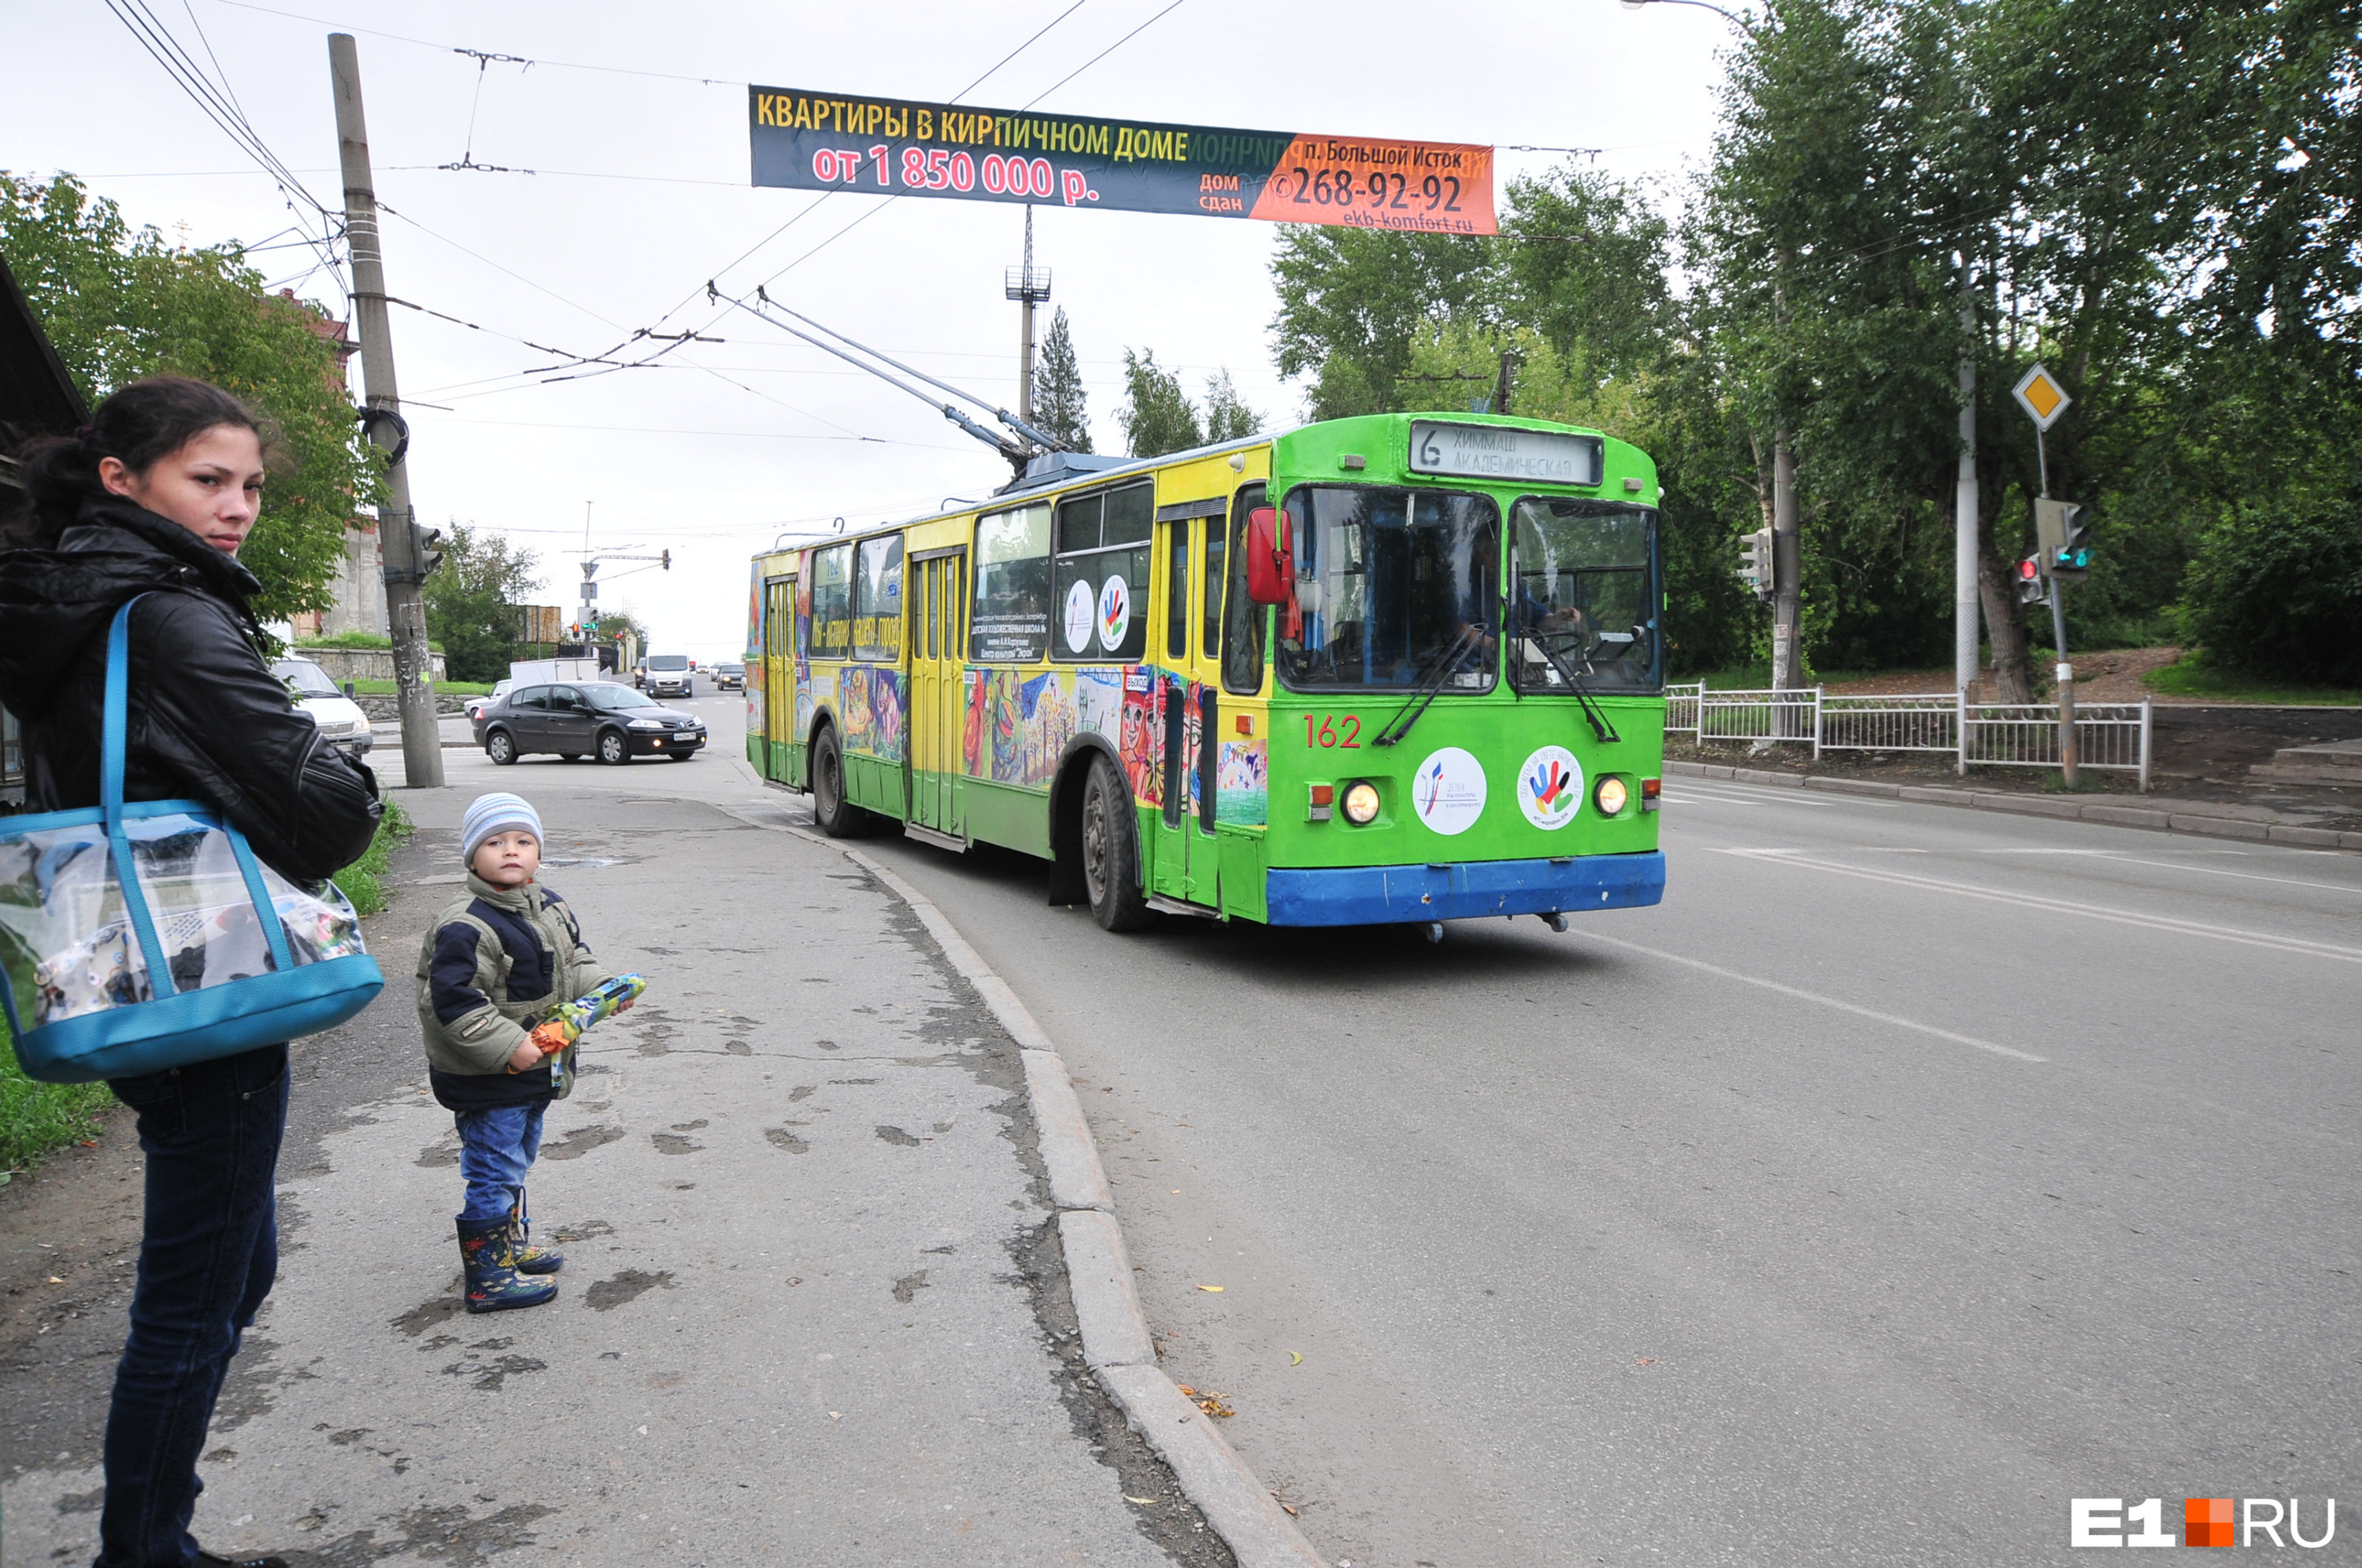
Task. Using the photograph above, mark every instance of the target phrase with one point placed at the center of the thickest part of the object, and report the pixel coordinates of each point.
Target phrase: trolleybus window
(1392, 587)
(1176, 593)
(1584, 576)
(1243, 620)
(1099, 580)
(1011, 620)
(831, 601)
(878, 600)
(1212, 577)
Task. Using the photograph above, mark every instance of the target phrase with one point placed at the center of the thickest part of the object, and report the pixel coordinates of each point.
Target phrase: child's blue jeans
(496, 1150)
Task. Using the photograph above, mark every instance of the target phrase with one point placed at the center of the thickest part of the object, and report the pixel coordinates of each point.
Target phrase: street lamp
(1741, 23)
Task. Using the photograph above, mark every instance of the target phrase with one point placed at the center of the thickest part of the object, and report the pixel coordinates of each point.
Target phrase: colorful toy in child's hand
(568, 1020)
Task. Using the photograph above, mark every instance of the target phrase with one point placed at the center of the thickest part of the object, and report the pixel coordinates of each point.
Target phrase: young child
(493, 964)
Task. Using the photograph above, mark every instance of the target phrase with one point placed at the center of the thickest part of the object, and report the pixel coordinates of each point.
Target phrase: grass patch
(2192, 676)
(441, 688)
(358, 640)
(364, 880)
(36, 1119)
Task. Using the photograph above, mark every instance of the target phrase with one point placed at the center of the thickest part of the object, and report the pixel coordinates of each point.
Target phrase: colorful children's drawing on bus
(1241, 783)
(869, 710)
(886, 727)
(1140, 740)
(1098, 702)
(803, 700)
(1046, 717)
(973, 722)
(853, 706)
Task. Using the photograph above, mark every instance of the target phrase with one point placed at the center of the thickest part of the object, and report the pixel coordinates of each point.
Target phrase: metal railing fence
(2110, 737)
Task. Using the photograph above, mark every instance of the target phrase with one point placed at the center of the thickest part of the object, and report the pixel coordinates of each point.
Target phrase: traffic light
(2033, 584)
(668, 560)
(1755, 562)
(428, 543)
(2065, 538)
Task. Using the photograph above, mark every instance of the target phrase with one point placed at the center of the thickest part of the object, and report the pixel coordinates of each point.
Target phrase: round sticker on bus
(1078, 617)
(1115, 613)
(1549, 786)
(1448, 791)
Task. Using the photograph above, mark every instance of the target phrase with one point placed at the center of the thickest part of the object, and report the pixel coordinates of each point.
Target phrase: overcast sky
(635, 117)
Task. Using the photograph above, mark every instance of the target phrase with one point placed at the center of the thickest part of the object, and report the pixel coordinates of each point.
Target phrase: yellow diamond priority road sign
(2039, 394)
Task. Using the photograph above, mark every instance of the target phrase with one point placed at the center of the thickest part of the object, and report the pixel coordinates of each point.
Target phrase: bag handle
(110, 794)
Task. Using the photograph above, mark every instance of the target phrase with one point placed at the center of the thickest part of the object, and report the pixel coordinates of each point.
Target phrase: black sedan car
(601, 718)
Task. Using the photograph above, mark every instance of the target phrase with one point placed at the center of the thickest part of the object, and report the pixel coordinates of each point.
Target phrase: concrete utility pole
(1965, 499)
(1028, 287)
(1787, 569)
(405, 609)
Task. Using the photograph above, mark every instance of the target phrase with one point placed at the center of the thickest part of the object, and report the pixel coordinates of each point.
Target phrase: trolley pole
(405, 609)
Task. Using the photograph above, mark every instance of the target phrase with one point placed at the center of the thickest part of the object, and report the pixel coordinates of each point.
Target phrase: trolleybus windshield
(1583, 587)
(1390, 584)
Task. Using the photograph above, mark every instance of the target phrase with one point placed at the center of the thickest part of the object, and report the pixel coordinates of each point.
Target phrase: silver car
(342, 723)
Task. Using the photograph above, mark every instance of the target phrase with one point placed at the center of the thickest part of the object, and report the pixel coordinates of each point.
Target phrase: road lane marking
(1775, 795)
(2243, 876)
(1716, 969)
(2295, 945)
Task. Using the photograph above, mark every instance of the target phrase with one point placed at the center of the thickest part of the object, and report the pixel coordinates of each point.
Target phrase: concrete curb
(1117, 1344)
(2253, 823)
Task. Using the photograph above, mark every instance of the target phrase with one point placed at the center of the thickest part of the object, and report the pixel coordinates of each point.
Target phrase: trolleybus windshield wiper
(1590, 709)
(1425, 692)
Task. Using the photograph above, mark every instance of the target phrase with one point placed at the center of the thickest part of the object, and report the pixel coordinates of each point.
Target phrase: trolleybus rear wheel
(837, 817)
(1112, 851)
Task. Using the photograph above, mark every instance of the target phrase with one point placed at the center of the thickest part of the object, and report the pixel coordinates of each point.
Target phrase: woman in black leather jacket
(155, 498)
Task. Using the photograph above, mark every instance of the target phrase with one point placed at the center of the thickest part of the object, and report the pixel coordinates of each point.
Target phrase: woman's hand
(524, 1058)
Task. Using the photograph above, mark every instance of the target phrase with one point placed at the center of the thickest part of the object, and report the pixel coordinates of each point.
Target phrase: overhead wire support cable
(1017, 453)
(1048, 441)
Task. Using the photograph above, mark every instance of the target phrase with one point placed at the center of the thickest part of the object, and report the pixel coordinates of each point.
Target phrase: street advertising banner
(818, 141)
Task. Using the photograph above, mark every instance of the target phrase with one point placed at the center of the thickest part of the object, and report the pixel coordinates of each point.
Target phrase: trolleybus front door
(1190, 552)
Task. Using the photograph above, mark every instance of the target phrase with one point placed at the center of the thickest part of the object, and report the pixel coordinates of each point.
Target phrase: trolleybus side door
(778, 675)
(1190, 547)
(934, 597)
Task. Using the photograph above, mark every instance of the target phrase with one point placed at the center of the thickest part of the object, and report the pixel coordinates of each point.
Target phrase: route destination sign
(815, 141)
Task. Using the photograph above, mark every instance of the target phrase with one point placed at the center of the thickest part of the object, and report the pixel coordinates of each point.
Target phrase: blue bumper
(1377, 895)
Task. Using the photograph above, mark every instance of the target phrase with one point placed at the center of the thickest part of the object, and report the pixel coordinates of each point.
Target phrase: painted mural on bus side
(1018, 727)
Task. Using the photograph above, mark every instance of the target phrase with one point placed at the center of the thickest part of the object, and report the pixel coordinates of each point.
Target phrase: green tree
(1061, 406)
(121, 304)
(1228, 418)
(470, 601)
(1157, 415)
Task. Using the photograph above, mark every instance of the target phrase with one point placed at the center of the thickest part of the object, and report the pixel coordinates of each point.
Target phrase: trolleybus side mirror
(1271, 563)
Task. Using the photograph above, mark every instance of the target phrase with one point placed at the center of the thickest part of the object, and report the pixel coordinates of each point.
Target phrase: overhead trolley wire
(219, 101)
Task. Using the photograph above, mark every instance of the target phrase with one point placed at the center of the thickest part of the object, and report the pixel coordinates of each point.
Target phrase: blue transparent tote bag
(139, 937)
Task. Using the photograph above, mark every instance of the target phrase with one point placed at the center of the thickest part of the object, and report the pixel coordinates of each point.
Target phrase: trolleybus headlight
(1610, 796)
(1361, 803)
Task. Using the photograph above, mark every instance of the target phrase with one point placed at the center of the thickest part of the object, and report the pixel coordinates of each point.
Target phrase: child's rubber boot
(494, 1283)
(530, 1258)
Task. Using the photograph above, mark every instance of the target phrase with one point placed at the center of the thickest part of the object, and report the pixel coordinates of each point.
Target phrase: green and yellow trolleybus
(1401, 668)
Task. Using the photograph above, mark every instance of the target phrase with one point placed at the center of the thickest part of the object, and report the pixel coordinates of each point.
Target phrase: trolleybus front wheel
(1112, 851)
(837, 817)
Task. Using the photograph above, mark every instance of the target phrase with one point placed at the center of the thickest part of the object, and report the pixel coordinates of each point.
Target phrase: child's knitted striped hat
(494, 813)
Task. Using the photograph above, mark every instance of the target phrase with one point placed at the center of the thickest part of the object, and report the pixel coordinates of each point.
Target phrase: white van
(668, 675)
(342, 723)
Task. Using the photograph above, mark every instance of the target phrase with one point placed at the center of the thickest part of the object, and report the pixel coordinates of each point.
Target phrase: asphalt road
(1908, 1173)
